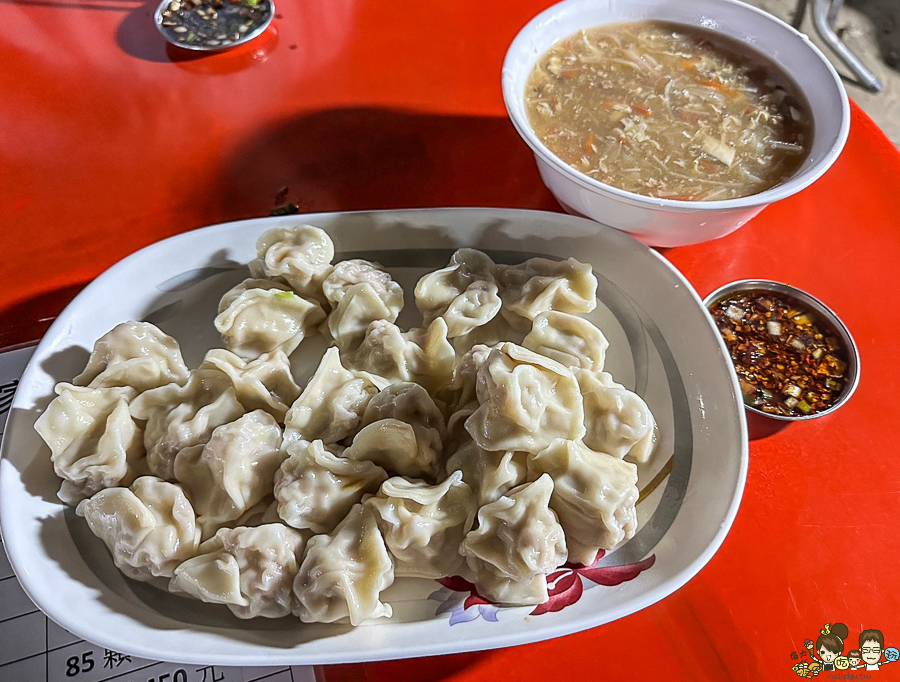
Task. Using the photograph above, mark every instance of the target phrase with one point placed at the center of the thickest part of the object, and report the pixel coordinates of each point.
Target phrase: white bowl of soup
(676, 122)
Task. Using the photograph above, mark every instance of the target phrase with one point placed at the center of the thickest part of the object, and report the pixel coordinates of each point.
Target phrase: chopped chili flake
(798, 372)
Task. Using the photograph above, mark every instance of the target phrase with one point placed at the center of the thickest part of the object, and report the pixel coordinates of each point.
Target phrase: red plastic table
(111, 140)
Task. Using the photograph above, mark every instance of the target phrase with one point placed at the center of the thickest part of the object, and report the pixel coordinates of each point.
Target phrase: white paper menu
(35, 649)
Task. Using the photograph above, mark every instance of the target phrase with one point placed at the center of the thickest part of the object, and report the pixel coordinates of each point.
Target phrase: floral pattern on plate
(565, 588)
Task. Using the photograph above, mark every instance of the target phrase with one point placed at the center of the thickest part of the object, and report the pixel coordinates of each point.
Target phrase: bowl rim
(798, 181)
(853, 362)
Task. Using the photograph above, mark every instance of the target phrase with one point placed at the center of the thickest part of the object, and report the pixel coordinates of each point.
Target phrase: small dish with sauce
(794, 358)
(206, 25)
(635, 112)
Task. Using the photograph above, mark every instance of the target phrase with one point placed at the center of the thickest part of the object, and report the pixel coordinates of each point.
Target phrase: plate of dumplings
(346, 437)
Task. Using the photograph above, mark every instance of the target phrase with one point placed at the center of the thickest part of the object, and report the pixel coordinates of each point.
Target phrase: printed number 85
(85, 664)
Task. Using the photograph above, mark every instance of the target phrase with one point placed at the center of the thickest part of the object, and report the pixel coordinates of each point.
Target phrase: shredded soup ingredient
(668, 111)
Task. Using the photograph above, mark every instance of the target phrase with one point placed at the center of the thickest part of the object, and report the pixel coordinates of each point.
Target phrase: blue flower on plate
(462, 607)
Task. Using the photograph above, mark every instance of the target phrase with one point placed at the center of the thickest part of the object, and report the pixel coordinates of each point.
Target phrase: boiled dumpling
(180, 416)
(264, 511)
(494, 332)
(250, 284)
(423, 525)
(525, 401)
(517, 542)
(135, 354)
(618, 421)
(594, 496)
(460, 392)
(490, 474)
(260, 316)
(464, 294)
(360, 292)
(149, 528)
(265, 383)
(540, 284)
(361, 305)
(423, 355)
(332, 404)
(213, 576)
(436, 291)
(344, 573)
(94, 442)
(407, 401)
(570, 340)
(473, 308)
(233, 471)
(300, 256)
(251, 570)
(457, 436)
(349, 273)
(316, 488)
(410, 403)
(398, 447)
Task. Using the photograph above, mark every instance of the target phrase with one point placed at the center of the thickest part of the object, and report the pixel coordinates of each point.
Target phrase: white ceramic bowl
(666, 222)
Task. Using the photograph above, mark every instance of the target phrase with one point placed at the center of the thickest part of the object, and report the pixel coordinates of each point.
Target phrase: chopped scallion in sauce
(798, 371)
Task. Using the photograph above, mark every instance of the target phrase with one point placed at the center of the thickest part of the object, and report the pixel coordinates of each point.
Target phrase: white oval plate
(662, 344)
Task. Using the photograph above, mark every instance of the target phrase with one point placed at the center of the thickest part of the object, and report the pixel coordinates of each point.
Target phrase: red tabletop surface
(111, 140)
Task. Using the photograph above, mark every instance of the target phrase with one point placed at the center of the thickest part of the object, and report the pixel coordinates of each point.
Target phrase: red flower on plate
(458, 584)
(565, 586)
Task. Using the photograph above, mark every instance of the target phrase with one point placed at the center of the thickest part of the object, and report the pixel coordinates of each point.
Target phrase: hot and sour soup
(668, 111)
